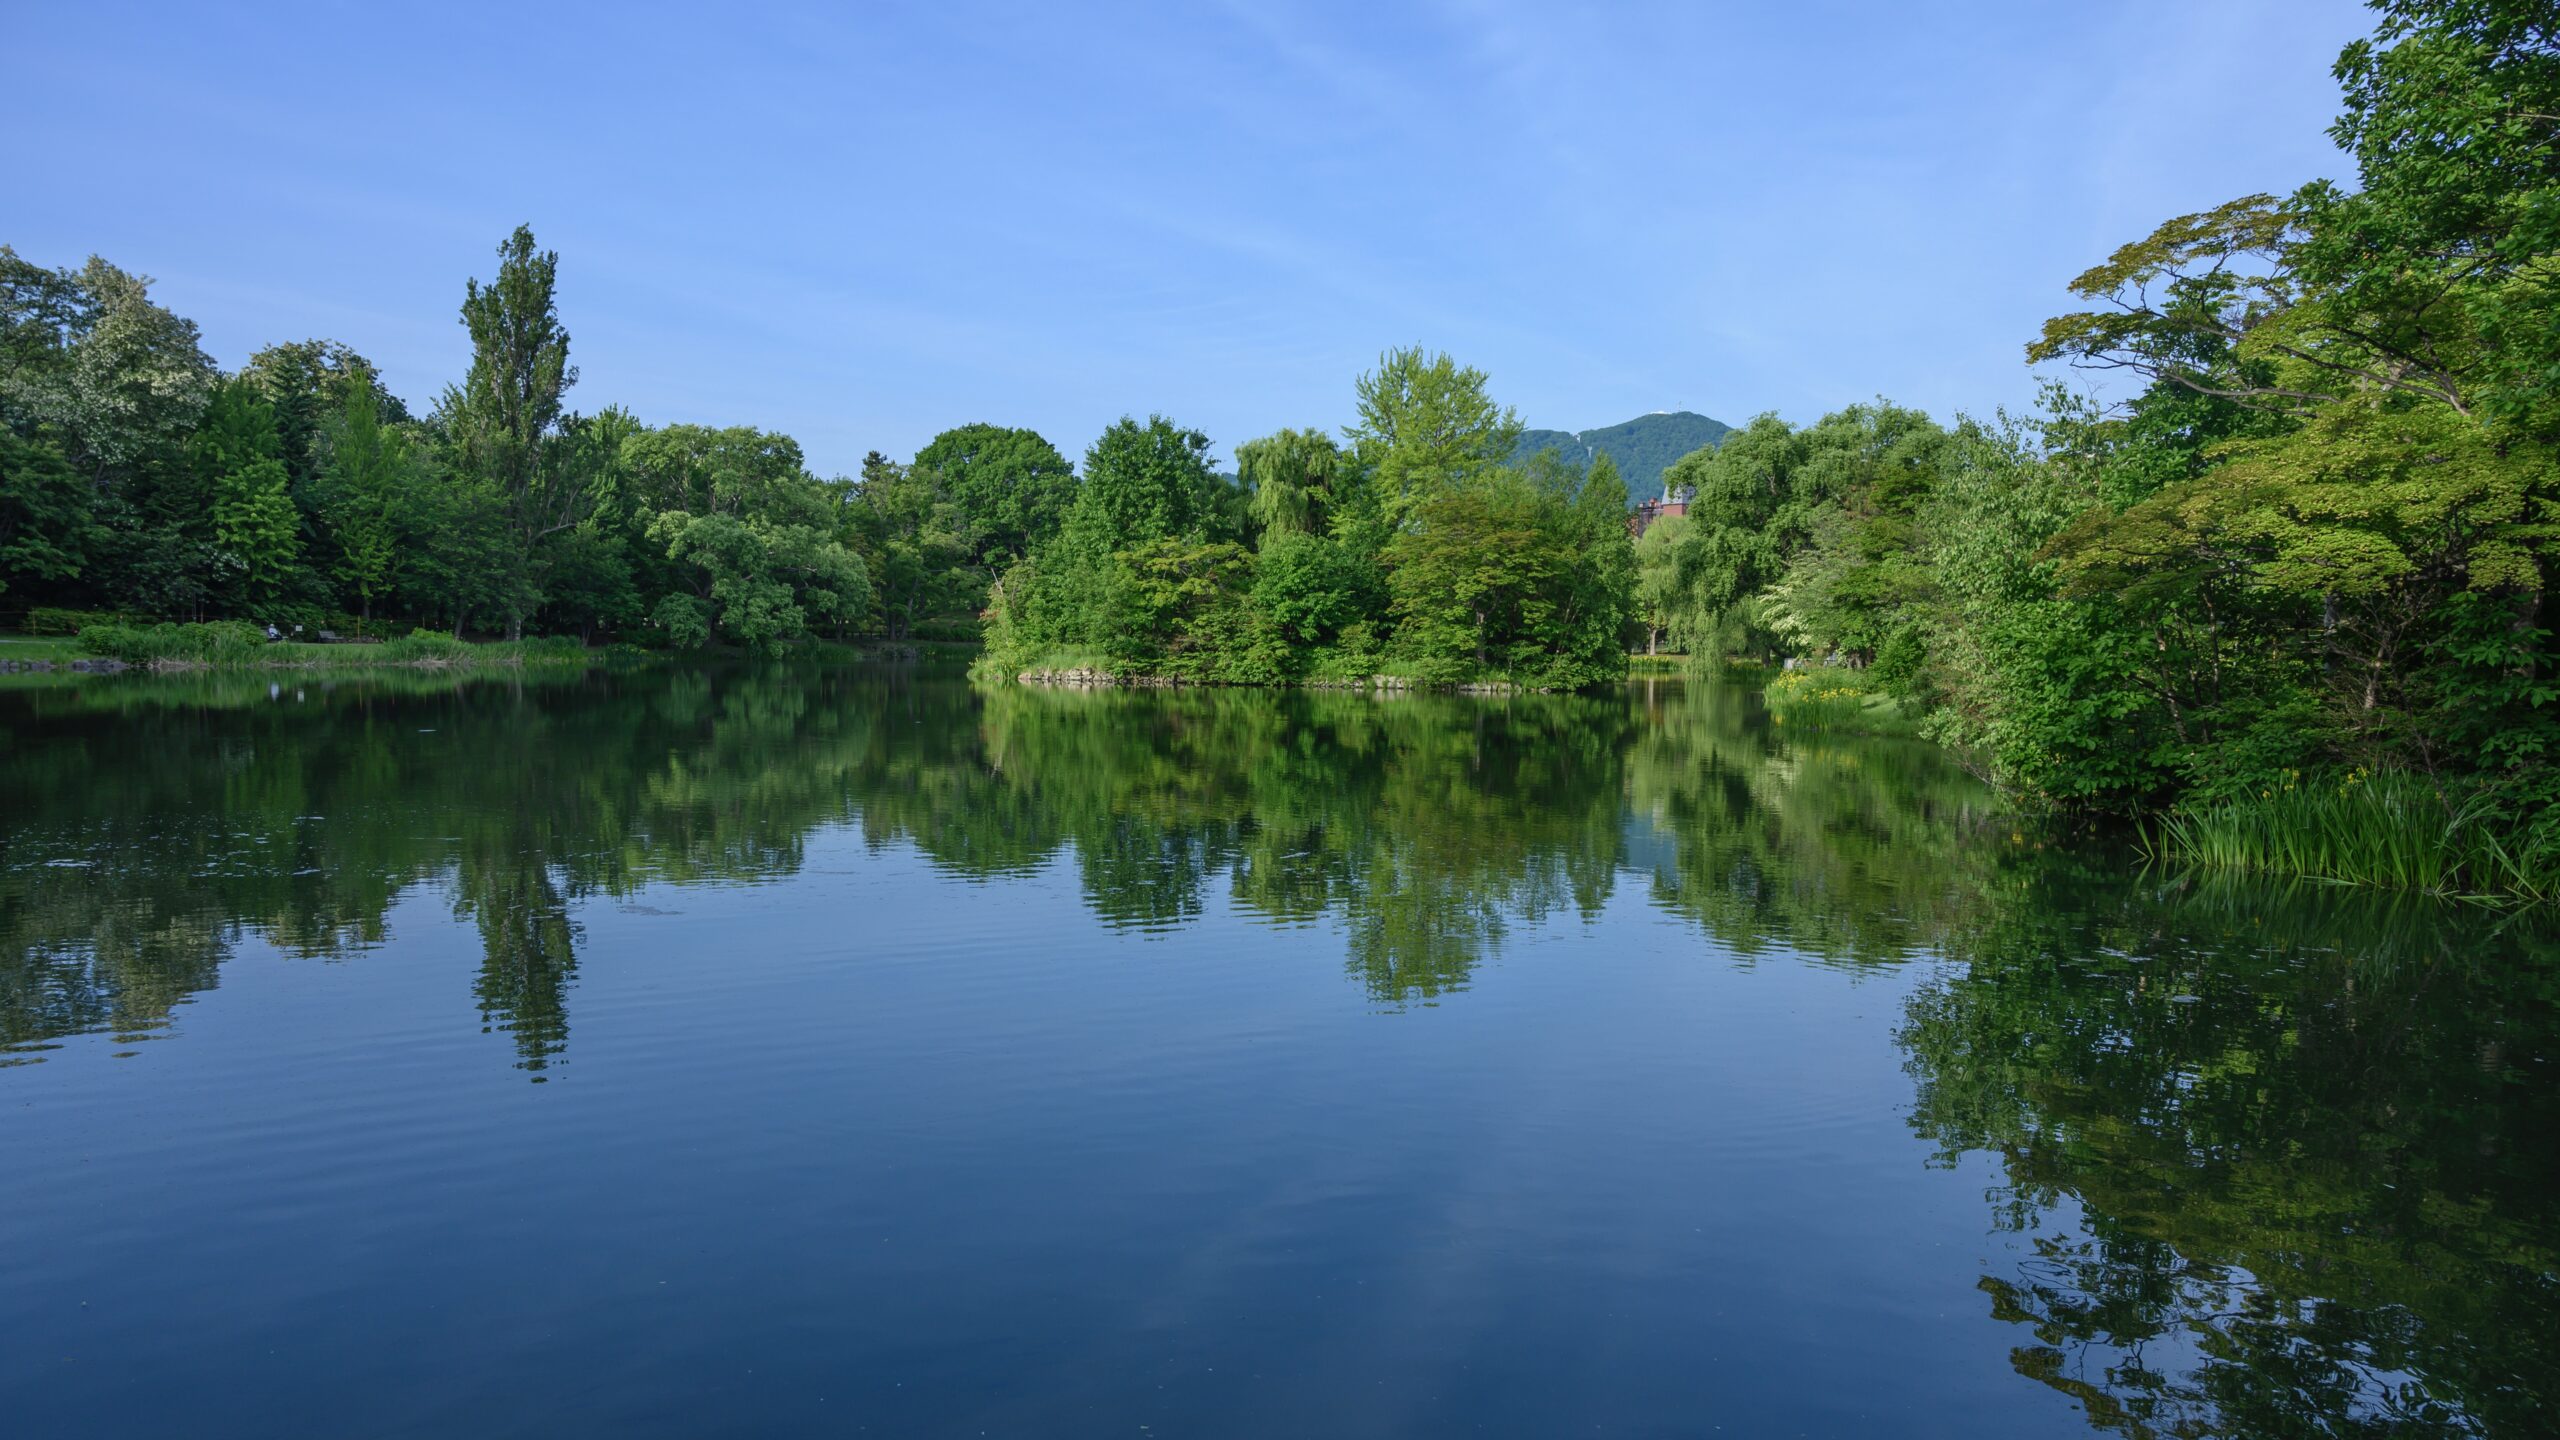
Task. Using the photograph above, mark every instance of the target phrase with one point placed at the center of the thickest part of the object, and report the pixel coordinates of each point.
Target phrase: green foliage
(915, 543)
(426, 646)
(1312, 588)
(1661, 592)
(1141, 483)
(1178, 609)
(45, 524)
(310, 384)
(1009, 490)
(118, 380)
(255, 526)
(761, 581)
(748, 539)
(588, 582)
(219, 642)
(1426, 427)
(53, 620)
(460, 560)
(1502, 578)
(2317, 538)
(2318, 541)
(1743, 507)
(366, 479)
(2490, 703)
(234, 644)
(505, 420)
(1801, 541)
(133, 478)
(1294, 477)
(1480, 574)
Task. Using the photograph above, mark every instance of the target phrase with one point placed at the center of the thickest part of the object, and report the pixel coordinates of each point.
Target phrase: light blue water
(858, 1053)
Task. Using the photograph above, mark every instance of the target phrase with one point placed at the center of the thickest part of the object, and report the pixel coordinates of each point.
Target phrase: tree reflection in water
(2282, 1162)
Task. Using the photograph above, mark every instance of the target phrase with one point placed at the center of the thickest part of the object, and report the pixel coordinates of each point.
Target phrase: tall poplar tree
(507, 412)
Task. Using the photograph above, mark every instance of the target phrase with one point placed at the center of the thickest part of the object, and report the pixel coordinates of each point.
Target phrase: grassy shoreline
(175, 649)
(234, 645)
(1828, 698)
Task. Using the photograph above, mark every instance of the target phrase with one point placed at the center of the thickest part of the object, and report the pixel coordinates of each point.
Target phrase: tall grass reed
(2391, 829)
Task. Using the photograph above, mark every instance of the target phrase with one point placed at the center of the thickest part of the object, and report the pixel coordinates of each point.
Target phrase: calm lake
(856, 1052)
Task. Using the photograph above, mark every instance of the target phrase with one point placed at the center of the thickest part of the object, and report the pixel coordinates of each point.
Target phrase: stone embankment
(1086, 679)
(1091, 679)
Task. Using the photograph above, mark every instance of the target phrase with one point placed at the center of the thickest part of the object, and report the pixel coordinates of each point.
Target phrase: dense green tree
(1316, 590)
(254, 524)
(1141, 483)
(307, 383)
(1608, 569)
(1860, 584)
(914, 544)
(118, 380)
(458, 556)
(751, 537)
(369, 474)
(1009, 489)
(1425, 427)
(1490, 573)
(1495, 578)
(587, 583)
(45, 519)
(2345, 463)
(1177, 606)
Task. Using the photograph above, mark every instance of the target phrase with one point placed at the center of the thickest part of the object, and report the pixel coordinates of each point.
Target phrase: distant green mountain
(1643, 447)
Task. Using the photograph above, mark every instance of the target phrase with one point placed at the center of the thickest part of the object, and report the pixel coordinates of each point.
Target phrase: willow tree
(1291, 476)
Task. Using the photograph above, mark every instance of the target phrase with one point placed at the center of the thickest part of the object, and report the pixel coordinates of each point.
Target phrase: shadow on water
(2281, 1159)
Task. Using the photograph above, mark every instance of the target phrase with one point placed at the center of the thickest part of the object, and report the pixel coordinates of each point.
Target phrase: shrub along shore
(231, 644)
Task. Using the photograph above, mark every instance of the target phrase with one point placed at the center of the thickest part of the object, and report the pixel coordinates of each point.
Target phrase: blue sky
(862, 224)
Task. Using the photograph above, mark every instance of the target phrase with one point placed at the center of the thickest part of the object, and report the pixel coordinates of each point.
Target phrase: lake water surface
(854, 1052)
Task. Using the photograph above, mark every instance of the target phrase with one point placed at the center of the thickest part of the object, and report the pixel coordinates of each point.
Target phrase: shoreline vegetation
(2305, 555)
(232, 645)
